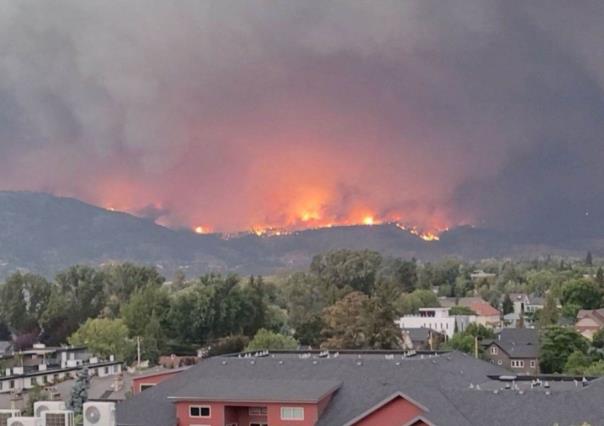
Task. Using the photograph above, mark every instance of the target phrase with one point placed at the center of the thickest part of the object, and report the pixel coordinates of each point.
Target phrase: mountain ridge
(44, 233)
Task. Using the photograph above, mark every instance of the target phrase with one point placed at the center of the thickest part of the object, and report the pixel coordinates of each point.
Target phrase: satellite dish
(93, 415)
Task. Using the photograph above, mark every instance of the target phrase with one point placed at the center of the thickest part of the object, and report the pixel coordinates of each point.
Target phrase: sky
(229, 115)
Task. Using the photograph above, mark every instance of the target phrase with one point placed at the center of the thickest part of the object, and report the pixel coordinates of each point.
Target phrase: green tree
(257, 297)
(600, 278)
(105, 337)
(399, 272)
(305, 302)
(347, 270)
(410, 303)
(595, 369)
(379, 316)
(190, 314)
(122, 280)
(507, 306)
(78, 294)
(23, 299)
(269, 340)
(344, 327)
(145, 303)
(309, 332)
(598, 339)
(582, 293)
(577, 363)
(557, 344)
(549, 315)
(153, 341)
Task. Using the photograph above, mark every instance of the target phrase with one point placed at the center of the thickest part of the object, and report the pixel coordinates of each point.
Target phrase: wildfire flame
(201, 230)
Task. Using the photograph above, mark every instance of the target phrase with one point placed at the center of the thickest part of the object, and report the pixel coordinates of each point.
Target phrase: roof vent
(546, 385)
(359, 363)
(471, 385)
(496, 391)
(280, 362)
(520, 392)
(252, 362)
(224, 362)
(315, 362)
(397, 363)
(324, 354)
(548, 392)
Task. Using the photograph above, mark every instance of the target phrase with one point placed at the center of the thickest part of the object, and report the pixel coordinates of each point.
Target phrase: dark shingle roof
(244, 389)
(441, 383)
(519, 342)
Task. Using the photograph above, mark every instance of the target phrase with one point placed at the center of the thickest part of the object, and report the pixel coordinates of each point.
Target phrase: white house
(437, 319)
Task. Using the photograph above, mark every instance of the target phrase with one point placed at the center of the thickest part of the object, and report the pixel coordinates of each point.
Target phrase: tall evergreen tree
(589, 259)
(507, 306)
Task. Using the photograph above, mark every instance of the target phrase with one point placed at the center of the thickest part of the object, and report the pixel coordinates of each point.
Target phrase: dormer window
(494, 350)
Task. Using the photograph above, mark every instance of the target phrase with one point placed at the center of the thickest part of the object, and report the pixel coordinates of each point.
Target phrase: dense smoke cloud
(233, 114)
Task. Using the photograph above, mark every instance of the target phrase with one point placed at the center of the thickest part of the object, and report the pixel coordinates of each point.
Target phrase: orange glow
(201, 230)
(368, 220)
(429, 236)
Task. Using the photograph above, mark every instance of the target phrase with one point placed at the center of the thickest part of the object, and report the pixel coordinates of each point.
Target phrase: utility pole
(138, 350)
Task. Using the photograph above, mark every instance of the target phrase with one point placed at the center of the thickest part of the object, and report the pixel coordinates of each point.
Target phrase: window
(292, 413)
(257, 411)
(199, 411)
(533, 364)
(494, 350)
(517, 363)
(258, 424)
(34, 381)
(145, 386)
(499, 362)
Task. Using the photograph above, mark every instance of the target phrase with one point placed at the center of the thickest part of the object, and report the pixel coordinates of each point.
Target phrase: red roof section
(483, 309)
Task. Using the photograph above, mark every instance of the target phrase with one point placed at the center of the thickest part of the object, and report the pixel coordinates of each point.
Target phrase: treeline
(346, 299)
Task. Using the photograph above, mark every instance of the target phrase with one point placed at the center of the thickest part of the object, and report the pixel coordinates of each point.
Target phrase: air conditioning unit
(99, 414)
(42, 406)
(25, 421)
(7, 414)
(57, 418)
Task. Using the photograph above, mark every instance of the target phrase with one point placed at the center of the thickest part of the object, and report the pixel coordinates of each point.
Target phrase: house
(516, 349)
(421, 338)
(360, 388)
(526, 306)
(42, 365)
(485, 314)
(437, 319)
(589, 322)
(18, 379)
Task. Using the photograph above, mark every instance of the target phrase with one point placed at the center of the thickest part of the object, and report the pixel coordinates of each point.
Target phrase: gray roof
(5, 346)
(420, 334)
(244, 389)
(519, 342)
(440, 383)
